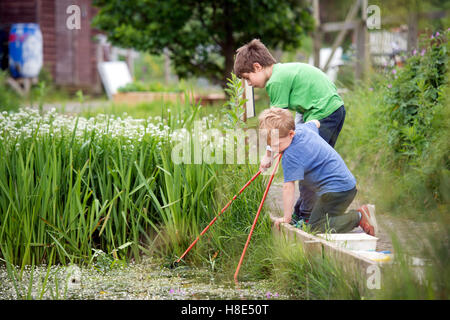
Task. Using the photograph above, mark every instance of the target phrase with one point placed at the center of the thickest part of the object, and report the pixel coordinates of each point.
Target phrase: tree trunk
(228, 53)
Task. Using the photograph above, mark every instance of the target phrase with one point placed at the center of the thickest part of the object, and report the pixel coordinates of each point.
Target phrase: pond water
(147, 280)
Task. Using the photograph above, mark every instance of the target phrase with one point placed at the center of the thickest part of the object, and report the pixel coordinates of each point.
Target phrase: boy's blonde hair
(276, 118)
(247, 55)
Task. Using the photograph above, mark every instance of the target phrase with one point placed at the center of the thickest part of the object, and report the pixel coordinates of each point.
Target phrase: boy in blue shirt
(312, 161)
(298, 87)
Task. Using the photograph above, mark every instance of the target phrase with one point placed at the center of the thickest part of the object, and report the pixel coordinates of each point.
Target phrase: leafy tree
(202, 36)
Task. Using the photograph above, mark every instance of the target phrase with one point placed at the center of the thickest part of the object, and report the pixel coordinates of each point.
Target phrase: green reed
(84, 189)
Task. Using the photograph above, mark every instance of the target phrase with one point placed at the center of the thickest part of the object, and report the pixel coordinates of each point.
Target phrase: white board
(250, 104)
(335, 62)
(114, 74)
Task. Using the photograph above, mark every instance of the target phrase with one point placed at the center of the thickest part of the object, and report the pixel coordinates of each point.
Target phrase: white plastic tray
(352, 241)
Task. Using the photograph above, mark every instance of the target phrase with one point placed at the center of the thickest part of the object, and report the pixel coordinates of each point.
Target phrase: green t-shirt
(303, 88)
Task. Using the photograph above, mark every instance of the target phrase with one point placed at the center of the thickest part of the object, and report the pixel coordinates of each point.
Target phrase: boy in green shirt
(299, 87)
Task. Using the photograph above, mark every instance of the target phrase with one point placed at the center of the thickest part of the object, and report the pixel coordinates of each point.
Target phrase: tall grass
(74, 184)
(70, 194)
(414, 189)
(311, 276)
(421, 272)
(420, 186)
(222, 246)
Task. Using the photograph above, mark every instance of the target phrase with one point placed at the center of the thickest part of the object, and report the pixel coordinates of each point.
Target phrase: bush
(415, 97)
(395, 137)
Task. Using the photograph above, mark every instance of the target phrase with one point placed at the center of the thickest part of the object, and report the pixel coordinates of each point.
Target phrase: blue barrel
(25, 50)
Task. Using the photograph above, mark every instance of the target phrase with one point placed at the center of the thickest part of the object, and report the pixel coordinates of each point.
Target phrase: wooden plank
(413, 24)
(317, 40)
(15, 85)
(138, 97)
(351, 261)
(338, 26)
(362, 44)
(338, 41)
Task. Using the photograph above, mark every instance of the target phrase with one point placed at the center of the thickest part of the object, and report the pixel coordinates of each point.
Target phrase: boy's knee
(316, 226)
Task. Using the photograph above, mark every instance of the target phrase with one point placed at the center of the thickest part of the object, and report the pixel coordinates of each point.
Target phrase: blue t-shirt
(312, 160)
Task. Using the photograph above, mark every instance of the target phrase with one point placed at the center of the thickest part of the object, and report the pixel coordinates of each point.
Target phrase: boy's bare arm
(288, 202)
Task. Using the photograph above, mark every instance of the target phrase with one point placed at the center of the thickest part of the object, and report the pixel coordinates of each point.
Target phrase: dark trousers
(329, 130)
(329, 215)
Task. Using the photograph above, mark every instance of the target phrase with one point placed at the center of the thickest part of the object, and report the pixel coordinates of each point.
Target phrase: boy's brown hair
(247, 55)
(278, 119)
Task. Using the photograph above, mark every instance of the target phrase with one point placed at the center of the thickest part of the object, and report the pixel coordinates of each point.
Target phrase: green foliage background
(395, 138)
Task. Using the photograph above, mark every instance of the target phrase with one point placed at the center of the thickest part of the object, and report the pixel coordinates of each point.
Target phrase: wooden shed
(70, 55)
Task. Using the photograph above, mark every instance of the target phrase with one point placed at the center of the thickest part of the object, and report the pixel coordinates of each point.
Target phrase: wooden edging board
(147, 96)
(138, 97)
(350, 260)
